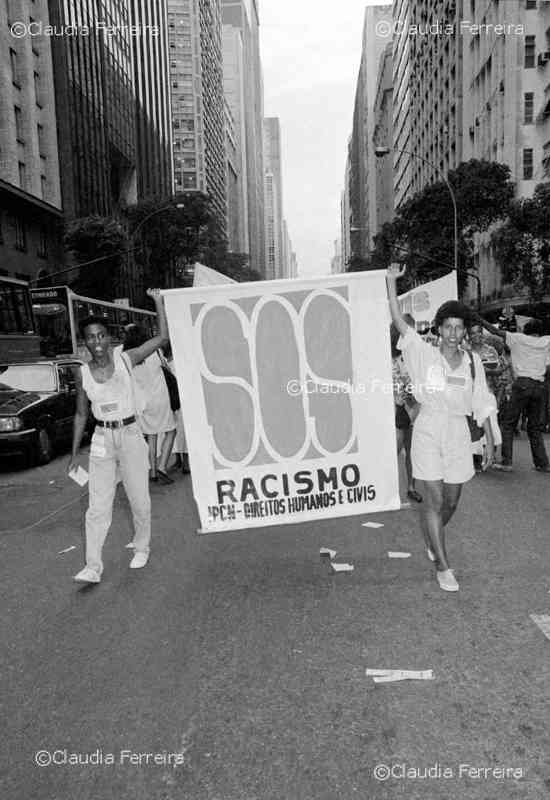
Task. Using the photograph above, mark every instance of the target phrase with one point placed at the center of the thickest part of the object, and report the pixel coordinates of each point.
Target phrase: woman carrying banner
(441, 442)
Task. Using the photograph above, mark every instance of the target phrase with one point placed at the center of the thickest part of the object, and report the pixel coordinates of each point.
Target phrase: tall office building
(345, 211)
(233, 183)
(30, 194)
(436, 89)
(275, 264)
(382, 137)
(362, 161)
(242, 15)
(154, 173)
(234, 91)
(336, 264)
(96, 109)
(506, 116)
(198, 116)
(401, 100)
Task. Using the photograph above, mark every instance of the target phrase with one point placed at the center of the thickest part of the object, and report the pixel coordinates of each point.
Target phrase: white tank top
(114, 399)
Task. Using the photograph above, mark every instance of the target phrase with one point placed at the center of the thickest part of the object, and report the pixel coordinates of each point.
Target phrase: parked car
(37, 407)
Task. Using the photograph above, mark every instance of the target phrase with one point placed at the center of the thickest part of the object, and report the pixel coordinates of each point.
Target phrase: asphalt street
(232, 667)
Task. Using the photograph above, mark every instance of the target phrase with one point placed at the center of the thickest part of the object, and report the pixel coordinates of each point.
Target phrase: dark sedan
(37, 406)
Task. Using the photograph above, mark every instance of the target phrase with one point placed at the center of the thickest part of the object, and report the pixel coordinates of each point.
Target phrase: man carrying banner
(106, 382)
(449, 388)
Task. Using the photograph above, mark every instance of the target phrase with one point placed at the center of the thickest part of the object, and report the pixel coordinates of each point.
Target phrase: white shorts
(441, 448)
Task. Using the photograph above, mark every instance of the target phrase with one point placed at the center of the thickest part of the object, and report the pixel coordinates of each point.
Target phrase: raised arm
(393, 273)
(139, 354)
(488, 327)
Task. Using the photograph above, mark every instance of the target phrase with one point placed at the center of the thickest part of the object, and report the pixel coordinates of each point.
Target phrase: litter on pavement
(396, 554)
(388, 675)
(79, 475)
(325, 551)
(342, 567)
(67, 550)
(373, 524)
(543, 622)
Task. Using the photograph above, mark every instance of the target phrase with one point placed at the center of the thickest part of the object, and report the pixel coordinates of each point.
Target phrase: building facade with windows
(243, 16)
(198, 115)
(275, 244)
(234, 91)
(154, 166)
(383, 137)
(30, 194)
(507, 114)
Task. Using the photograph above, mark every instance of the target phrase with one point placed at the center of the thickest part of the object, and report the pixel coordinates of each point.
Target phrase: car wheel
(44, 447)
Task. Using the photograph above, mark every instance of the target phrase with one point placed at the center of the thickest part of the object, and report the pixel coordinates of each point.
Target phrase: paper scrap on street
(405, 505)
(396, 554)
(67, 550)
(325, 551)
(342, 567)
(79, 475)
(543, 622)
(388, 675)
(373, 524)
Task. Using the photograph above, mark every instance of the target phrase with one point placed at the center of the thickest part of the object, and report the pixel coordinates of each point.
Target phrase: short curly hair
(454, 309)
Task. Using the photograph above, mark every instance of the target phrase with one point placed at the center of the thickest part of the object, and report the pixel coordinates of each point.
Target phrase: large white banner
(286, 391)
(423, 302)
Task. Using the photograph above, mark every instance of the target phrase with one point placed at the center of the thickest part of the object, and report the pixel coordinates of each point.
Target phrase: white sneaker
(447, 580)
(87, 575)
(130, 546)
(430, 553)
(139, 560)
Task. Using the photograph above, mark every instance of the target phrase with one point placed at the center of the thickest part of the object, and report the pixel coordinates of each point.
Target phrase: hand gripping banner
(287, 401)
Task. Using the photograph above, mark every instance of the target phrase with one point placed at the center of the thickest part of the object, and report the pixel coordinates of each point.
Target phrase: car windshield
(27, 377)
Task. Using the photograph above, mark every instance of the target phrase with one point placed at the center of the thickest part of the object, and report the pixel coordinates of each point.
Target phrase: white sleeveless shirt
(114, 399)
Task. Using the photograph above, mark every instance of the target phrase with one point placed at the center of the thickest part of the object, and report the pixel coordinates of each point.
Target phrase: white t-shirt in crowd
(529, 355)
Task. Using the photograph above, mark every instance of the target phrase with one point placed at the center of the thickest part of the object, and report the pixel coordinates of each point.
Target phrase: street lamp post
(161, 210)
(380, 152)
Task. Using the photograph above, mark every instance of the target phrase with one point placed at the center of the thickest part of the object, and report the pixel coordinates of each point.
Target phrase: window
(14, 70)
(529, 55)
(18, 225)
(527, 163)
(18, 124)
(42, 249)
(44, 187)
(530, 4)
(41, 143)
(528, 107)
(37, 89)
(22, 175)
(189, 181)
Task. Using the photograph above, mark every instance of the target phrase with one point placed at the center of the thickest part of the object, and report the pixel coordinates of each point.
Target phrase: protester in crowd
(493, 369)
(117, 443)
(529, 354)
(447, 391)
(157, 418)
(180, 443)
(406, 408)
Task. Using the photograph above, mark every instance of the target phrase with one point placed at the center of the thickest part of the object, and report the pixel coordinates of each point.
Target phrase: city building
(154, 167)
(383, 137)
(275, 256)
(436, 91)
(96, 108)
(234, 91)
(362, 158)
(198, 115)
(242, 15)
(345, 212)
(506, 115)
(30, 192)
(233, 183)
(401, 99)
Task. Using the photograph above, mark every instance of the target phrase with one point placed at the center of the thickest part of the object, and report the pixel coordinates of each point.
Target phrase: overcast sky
(311, 51)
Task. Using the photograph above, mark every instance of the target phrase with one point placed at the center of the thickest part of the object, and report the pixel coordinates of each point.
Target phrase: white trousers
(126, 448)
